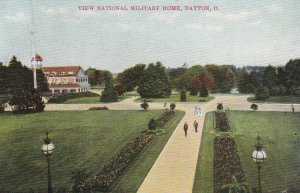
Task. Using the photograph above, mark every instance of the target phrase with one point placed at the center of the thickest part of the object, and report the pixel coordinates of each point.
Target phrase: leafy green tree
(202, 83)
(42, 83)
(262, 93)
(154, 82)
(98, 77)
(236, 187)
(244, 83)
(292, 69)
(223, 76)
(130, 77)
(183, 96)
(26, 101)
(109, 94)
(269, 78)
(3, 79)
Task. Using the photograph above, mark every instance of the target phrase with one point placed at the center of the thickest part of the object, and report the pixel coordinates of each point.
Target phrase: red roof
(64, 86)
(61, 71)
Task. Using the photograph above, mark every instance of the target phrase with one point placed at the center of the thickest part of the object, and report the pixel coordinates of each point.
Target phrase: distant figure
(293, 108)
(196, 126)
(185, 128)
(165, 104)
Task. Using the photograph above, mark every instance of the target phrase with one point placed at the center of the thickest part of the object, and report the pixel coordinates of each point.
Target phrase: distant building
(66, 79)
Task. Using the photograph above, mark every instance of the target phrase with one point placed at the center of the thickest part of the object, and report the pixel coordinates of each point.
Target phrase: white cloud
(255, 23)
(130, 27)
(234, 16)
(165, 17)
(275, 8)
(20, 16)
(51, 11)
(206, 28)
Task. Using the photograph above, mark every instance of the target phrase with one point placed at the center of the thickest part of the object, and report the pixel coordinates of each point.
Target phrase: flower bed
(164, 118)
(222, 123)
(106, 177)
(98, 108)
(226, 162)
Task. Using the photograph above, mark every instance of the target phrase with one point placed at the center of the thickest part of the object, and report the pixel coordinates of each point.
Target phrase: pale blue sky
(257, 32)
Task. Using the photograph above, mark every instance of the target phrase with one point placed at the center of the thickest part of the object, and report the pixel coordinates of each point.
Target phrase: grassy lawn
(279, 99)
(280, 135)
(176, 98)
(85, 100)
(83, 139)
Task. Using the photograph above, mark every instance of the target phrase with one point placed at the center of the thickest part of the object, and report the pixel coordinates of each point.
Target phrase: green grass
(176, 98)
(277, 131)
(86, 100)
(83, 139)
(279, 99)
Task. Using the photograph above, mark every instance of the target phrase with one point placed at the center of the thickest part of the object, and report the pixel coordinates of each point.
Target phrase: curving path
(174, 169)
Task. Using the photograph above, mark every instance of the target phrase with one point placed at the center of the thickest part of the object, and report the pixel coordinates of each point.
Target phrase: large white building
(66, 79)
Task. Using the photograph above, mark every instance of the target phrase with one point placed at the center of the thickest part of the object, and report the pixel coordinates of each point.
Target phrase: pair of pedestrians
(186, 127)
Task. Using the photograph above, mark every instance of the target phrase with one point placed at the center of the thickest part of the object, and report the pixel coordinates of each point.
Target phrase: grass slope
(279, 99)
(83, 139)
(280, 134)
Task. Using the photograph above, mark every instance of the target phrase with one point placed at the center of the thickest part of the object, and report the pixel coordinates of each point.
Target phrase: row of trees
(270, 80)
(16, 87)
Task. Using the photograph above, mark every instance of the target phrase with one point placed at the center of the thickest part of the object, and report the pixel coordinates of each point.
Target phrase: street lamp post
(259, 156)
(47, 150)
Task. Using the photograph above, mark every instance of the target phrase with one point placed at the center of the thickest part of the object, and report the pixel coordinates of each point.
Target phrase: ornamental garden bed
(226, 163)
(222, 123)
(61, 98)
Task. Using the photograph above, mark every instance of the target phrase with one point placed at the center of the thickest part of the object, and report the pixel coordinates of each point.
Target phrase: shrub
(3, 102)
(226, 163)
(220, 106)
(63, 97)
(222, 123)
(203, 92)
(107, 176)
(172, 106)
(194, 92)
(152, 124)
(145, 105)
(254, 107)
(27, 101)
(262, 94)
(109, 94)
(98, 108)
(183, 96)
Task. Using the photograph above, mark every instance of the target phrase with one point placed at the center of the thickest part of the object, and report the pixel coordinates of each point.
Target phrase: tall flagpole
(33, 60)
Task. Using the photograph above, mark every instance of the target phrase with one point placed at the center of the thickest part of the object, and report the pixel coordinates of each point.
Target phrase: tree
(172, 106)
(145, 105)
(130, 77)
(202, 83)
(236, 187)
(42, 83)
(109, 94)
(24, 101)
(98, 77)
(262, 94)
(292, 69)
(269, 78)
(154, 82)
(223, 77)
(220, 106)
(183, 96)
(120, 88)
(3, 79)
(244, 83)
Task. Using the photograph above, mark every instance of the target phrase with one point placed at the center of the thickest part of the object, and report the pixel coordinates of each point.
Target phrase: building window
(72, 90)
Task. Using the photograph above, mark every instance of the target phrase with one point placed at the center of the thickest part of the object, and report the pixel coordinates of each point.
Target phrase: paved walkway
(174, 169)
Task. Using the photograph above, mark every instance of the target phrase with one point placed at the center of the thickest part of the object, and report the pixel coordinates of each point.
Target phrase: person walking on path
(196, 126)
(293, 108)
(185, 128)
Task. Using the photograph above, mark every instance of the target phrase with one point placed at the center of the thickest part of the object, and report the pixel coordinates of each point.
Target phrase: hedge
(107, 176)
(226, 163)
(61, 98)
